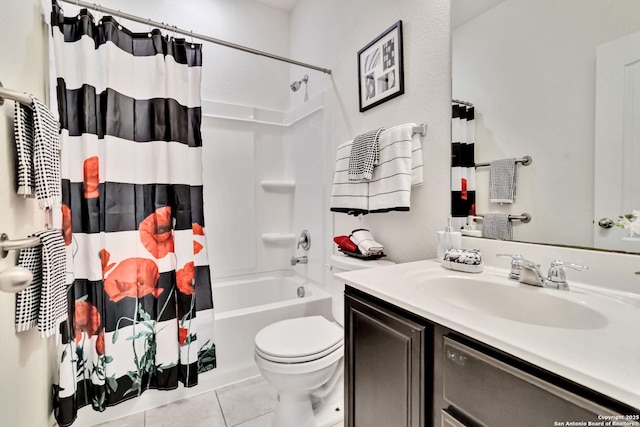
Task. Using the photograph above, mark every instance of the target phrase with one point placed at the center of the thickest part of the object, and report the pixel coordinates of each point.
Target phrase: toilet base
(294, 410)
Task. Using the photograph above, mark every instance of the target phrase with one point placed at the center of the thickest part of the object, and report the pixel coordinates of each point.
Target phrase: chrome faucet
(528, 272)
(299, 260)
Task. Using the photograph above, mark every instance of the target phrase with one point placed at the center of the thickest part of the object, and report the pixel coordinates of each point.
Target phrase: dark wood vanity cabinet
(387, 374)
(402, 370)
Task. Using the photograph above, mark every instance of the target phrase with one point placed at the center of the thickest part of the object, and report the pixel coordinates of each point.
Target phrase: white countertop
(605, 359)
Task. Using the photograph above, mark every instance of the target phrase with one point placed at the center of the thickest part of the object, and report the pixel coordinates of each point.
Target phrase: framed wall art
(380, 68)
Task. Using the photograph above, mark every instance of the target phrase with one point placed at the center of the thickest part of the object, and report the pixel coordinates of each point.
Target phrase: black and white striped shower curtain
(463, 171)
(140, 300)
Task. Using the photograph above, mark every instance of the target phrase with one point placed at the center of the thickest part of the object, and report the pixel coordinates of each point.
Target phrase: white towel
(366, 243)
(400, 167)
(502, 181)
(497, 226)
(38, 145)
(44, 302)
(364, 155)
(347, 196)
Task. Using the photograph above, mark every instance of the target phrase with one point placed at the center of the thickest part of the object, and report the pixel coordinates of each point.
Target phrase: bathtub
(244, 305)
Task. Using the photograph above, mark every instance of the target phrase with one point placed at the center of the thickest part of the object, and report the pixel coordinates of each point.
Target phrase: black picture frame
(381, 68)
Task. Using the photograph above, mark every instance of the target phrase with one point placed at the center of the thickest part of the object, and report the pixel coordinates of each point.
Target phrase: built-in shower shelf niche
(243, 113)
(278, 239)
(277, 186)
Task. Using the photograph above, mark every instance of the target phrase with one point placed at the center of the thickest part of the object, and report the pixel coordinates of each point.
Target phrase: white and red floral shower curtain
(141, 307)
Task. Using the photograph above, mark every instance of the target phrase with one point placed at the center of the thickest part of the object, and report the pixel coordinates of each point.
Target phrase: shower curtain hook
(97, 9)
(149, 28)
(192, 44)
(119, 19)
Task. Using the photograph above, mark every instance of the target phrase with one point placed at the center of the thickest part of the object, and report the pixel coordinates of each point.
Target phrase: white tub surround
(602, 355)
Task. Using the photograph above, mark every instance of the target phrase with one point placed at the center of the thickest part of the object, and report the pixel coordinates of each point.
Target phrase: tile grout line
(224, 419)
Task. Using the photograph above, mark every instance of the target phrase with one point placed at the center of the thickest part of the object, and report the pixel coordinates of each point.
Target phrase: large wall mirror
(559, 81)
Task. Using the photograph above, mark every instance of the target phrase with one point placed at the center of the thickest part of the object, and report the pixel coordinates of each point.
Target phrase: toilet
(303, 358)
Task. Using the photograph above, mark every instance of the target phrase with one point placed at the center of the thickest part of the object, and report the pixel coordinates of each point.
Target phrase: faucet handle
(516, 266)
(557, 275)
(304, 240)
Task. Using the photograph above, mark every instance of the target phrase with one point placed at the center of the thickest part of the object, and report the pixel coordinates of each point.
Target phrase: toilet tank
(339, 264)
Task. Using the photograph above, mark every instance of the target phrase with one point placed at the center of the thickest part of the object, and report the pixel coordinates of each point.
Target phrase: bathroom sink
(516, 302)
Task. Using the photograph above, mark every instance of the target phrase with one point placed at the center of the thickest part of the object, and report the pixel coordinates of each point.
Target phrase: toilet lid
(299, 340)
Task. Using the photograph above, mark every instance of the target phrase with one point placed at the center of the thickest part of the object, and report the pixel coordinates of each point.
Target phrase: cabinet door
(384, 365)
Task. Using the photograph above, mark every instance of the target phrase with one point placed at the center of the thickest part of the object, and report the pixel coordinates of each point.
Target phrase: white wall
(529, 68)
(325, 33)
(228, 75)
(329, 34)
(24, 368)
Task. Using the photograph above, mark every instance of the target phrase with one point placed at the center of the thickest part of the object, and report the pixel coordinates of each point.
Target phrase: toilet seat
(299, 340)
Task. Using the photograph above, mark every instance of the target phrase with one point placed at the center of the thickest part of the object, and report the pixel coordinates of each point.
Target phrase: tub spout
(299, 260)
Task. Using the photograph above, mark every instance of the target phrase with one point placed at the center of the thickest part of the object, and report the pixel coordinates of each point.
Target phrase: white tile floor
(246, 404)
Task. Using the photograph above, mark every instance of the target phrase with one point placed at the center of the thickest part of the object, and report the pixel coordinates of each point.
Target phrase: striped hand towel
(350, 197)
(390, 187)
(44, 302)
(364, 155)
(38, 143)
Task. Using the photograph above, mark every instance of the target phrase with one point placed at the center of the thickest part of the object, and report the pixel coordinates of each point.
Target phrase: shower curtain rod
(177, 30)
(468, 104)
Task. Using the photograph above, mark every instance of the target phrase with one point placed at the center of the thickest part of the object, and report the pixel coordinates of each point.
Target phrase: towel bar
(526, 161)
(7, 245)
(421, 129)
(525, 217)
(22, 98)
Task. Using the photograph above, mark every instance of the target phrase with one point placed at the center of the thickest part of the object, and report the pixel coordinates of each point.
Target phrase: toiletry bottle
(470, 229)
(448, 239)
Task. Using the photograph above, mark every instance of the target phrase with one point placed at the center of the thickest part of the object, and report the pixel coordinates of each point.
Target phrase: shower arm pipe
(177, 30)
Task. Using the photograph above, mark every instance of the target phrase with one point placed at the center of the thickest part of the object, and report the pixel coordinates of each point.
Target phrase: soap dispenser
(448, 239)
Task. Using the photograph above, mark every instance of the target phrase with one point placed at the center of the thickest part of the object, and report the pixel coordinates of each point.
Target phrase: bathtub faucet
(299, 260)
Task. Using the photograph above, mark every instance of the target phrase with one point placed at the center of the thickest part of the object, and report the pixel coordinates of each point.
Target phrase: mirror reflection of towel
(502, 181)
(497, 226)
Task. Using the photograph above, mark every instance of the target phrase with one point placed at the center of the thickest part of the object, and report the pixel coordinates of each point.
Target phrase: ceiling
(462, 11)
(286, 5)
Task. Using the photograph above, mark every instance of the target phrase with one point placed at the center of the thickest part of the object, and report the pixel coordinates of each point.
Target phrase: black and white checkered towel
(38, 142)
(365, 154)
(23, 131)
(44, 302)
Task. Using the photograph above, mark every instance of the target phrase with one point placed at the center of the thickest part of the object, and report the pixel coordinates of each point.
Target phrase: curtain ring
(97, 9)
